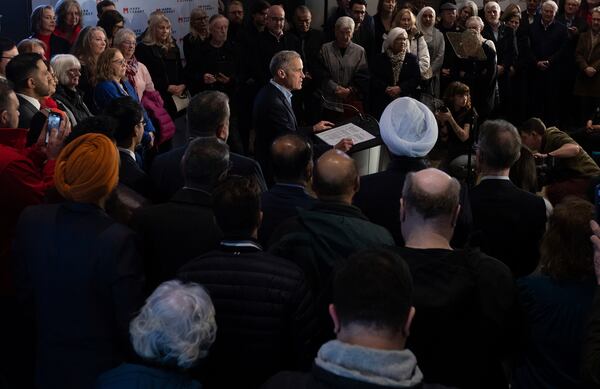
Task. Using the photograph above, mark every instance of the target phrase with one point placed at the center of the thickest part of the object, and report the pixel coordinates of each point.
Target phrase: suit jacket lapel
(288, 106)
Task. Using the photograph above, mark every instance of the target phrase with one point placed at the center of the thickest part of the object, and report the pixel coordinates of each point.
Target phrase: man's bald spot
(431, 193)
(432, 181)
(276, 10)
(335, 174)
(288, 144)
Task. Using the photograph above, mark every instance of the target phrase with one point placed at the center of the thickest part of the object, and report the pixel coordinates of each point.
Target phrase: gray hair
(176, 326)
(596, 9)
(121, 35)
(551, 4)
(344, 22)
(490, 4)
(61, 64)
(282, 60)
(499, 144)
(477, 20)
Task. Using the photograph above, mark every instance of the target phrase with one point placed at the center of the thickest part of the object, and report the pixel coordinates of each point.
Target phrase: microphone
(342, 104)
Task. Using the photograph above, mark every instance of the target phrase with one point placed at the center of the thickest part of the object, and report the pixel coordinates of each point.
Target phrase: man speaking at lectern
(273, 115)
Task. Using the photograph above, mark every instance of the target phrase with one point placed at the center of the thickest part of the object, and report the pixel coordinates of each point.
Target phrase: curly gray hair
(176, 326)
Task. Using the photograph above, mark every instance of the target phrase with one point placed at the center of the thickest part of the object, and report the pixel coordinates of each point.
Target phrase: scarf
(397, 60)
(132, 69)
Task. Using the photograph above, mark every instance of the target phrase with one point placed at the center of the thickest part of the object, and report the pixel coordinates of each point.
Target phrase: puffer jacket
(265, 315)
(154, 105)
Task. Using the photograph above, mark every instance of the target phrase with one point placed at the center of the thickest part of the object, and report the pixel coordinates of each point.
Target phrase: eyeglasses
(128, 43)
(119, 61)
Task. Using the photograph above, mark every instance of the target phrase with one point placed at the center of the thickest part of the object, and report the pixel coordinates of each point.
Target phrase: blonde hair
(150, 37)
(398, 16)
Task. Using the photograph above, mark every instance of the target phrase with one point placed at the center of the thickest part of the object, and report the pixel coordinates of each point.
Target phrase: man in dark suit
(184, 227)
(207, 116)
(508, 221)
(292, 158)
(128, 133)
(30, 76)
(265, 309)
(273, 114)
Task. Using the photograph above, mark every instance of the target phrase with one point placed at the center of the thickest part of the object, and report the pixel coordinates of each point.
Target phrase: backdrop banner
(136, 13)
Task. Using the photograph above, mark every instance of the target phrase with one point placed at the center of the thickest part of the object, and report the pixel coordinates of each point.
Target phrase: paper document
(352, 131)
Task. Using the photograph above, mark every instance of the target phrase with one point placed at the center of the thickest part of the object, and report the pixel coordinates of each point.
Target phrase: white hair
(121, 35)
(281, 60)
(61, 64)
(477, 20)
(596, 9)
(392, 36)
(176, 326)
(551, 4)
(344, 22)
(490, 4)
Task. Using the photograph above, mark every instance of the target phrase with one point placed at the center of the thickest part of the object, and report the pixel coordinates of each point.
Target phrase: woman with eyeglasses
(112, 83)
(394, 73)
(68, 71)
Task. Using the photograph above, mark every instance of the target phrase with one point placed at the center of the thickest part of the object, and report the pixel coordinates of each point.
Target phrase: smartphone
(53, 123)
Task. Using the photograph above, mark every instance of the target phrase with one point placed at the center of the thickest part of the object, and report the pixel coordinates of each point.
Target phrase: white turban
(408, 128)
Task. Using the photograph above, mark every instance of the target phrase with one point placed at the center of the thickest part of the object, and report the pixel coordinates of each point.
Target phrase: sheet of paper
(352, 131)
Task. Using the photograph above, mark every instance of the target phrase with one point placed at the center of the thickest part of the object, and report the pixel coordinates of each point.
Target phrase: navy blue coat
(167, 176)
(79, 274)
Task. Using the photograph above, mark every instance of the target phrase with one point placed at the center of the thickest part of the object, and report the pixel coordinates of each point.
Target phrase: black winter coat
(264, 311)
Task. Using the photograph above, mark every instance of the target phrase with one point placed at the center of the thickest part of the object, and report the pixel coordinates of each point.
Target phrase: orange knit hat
(87, 169)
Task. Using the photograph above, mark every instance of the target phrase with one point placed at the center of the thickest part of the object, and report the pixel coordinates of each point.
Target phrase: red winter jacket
(24, 178)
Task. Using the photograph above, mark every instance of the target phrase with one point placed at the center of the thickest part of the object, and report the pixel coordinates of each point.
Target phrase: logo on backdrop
(167, 10)
(132, 10)
(183, 19)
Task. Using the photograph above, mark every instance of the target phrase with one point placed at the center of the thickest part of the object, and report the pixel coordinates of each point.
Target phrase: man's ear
(455, 216)
(402, 211)
(409, 319)
(334, 318)
(281, 73)
(30, 83)
(4, 119)
(357, 184)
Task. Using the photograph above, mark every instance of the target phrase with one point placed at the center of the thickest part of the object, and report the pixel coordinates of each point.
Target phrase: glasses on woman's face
(74, 72)
(128, 43)
(120, 62)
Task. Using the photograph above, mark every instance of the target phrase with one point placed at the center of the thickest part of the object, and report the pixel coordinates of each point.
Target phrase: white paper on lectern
(352, 131)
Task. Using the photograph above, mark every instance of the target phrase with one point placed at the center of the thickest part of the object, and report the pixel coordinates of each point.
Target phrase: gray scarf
(392, 368)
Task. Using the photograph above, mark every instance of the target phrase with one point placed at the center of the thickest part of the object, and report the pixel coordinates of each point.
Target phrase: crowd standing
(236, 250)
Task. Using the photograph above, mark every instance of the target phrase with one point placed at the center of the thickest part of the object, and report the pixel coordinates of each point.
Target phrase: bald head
(292, 159)
(335, 176)
(430, 193)
(275, 19)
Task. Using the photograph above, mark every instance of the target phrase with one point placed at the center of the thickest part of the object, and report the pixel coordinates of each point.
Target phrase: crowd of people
(250, 254)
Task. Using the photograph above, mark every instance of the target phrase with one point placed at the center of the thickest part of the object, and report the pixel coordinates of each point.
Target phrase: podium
(370, 155)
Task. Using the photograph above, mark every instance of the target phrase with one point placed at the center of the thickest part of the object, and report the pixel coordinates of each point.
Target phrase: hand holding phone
(54, 120)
